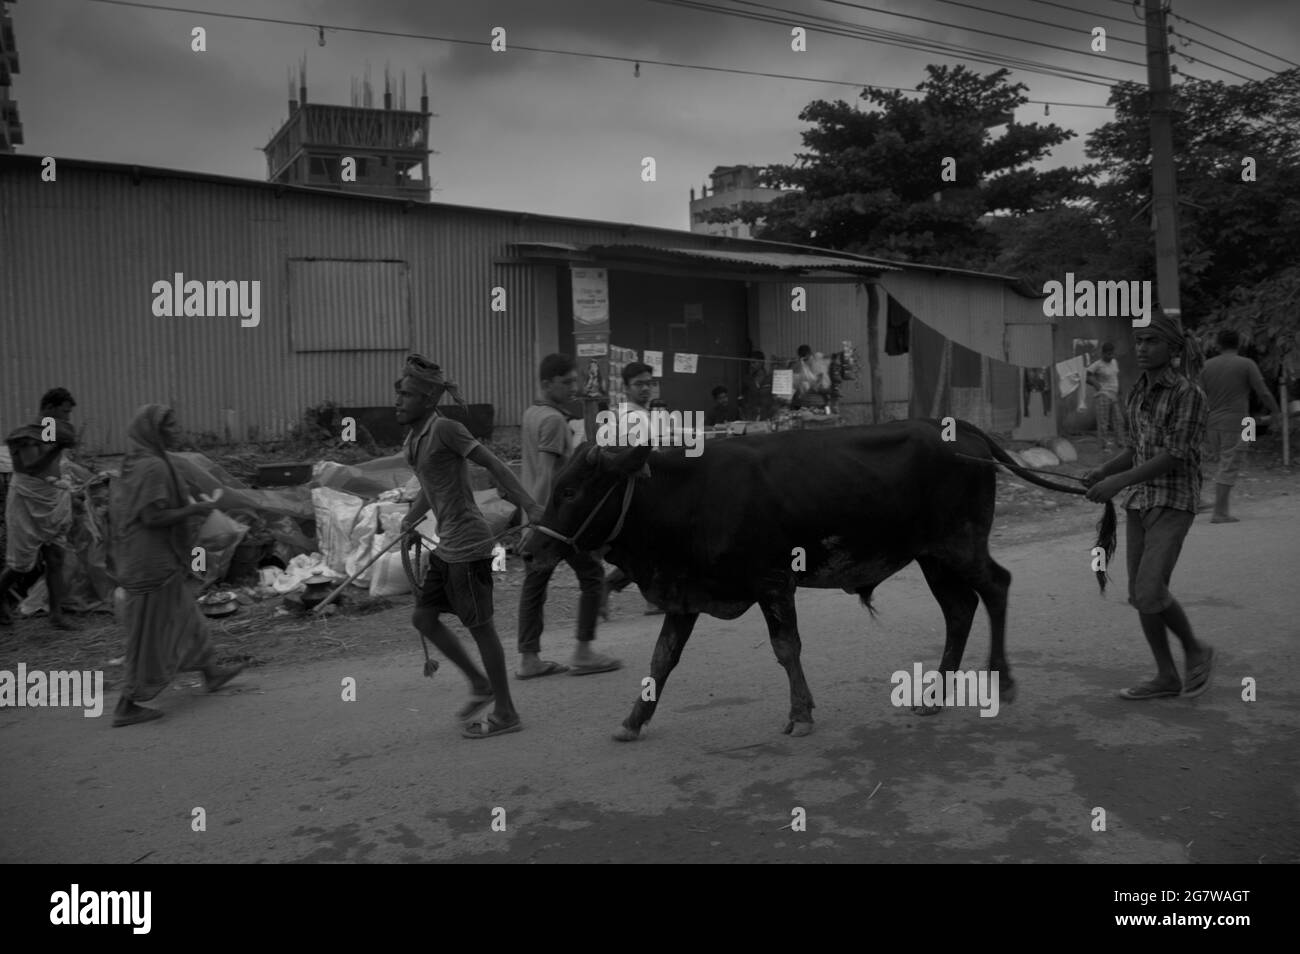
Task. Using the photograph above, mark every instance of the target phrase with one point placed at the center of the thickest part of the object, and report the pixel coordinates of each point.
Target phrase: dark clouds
(534, 132)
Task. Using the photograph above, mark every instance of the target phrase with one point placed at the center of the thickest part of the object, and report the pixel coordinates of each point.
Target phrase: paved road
(287, 771)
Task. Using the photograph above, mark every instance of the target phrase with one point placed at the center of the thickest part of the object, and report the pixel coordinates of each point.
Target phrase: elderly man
(1166, 417)
(459, 578)
(38, 511)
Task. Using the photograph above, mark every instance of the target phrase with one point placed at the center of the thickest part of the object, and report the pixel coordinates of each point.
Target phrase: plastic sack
(219, 536)
(389, 576)
(336, 515)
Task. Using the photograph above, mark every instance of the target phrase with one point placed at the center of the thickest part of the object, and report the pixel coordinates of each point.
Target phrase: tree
(871, 181)
(1235, 235)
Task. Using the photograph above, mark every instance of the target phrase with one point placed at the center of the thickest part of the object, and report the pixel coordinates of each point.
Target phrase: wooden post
(1284, 389)
(873, 349)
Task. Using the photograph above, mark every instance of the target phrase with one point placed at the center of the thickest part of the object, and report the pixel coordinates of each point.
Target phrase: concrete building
(729, 186)
(356, 148)
(11, 130)
(338, 286)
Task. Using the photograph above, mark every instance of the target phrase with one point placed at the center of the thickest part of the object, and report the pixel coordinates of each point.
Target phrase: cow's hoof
(927, 710)
(798, 729)
(624, 734)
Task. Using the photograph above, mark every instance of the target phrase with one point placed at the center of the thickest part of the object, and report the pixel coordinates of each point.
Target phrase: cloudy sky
(548, 133)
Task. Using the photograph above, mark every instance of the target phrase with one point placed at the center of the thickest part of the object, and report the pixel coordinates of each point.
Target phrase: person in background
(1104, 375)
(1166, 415)
(722, 411)
(459, 578)
(153, 523)
(638, 379)
(1228, 381)
(38, 507)
(756, 390)
(547, 445)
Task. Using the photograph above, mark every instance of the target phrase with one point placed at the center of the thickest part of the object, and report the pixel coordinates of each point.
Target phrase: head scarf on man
(428, 377)
(1186, 355)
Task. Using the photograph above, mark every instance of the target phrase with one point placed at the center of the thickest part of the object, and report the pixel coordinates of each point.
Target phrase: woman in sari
(154, 522)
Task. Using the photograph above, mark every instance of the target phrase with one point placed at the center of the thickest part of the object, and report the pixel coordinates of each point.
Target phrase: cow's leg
(993, 588)
(959, 601)
(673, 634)
(783, 629)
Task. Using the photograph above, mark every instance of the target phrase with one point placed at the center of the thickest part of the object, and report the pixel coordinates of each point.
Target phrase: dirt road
(285, 770)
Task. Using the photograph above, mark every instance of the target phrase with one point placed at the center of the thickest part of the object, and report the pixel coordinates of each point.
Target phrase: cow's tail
(1107, 526)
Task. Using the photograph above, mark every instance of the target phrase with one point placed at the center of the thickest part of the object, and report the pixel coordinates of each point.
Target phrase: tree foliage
(868, 181)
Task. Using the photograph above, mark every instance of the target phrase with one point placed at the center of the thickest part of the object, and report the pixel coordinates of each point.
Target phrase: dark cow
(717, 533)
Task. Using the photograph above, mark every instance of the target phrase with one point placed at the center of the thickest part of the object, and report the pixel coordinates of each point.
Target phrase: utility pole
(1164, 198)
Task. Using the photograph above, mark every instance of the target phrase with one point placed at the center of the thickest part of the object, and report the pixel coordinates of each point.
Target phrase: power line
(597, 56)
(1046, 23)
(891, 38)
(1088, 13)
(1222, 69)
(1187, 39)
(1234, 40)
(954, 26)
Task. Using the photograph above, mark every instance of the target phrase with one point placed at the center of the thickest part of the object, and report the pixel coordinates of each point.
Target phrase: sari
(166, 632)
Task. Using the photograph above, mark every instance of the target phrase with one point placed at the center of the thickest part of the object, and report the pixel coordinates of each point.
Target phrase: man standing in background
(1104, 375)
(38, 509)
(1227, 382)
(547, 444)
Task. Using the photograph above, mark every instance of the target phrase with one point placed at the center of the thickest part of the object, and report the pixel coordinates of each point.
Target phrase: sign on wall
(590, 300)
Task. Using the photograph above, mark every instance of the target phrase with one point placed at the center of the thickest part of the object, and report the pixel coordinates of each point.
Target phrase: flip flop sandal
(475, 705)
(140, 715)
(489, 727)
(1147, 691)
(1198, 678)
(601, 665)
(549, 668)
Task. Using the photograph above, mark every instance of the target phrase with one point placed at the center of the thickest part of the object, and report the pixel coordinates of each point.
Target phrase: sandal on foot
(1198, 677)
(219, 677)
(549, 668)
(135, 715)
(489, 727)
(594, 665)
(1148, 690)
(474, 706)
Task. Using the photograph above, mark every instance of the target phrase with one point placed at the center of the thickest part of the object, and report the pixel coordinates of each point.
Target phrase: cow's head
(588, 503)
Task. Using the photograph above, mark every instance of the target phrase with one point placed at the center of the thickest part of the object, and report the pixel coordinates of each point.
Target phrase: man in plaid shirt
(1166, 416)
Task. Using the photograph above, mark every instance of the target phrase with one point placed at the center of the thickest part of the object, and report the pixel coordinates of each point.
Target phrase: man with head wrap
(1166, 415)
(38, 508)
(459, 578)
(153, 521)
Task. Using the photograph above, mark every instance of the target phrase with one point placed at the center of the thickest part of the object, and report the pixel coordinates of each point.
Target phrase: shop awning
(775, 264)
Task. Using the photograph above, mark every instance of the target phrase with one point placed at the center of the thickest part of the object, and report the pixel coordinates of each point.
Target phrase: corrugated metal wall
(80, 257)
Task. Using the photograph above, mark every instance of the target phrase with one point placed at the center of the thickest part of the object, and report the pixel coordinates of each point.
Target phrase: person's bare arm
(1108, 487)
(505, 479)
(156, 516)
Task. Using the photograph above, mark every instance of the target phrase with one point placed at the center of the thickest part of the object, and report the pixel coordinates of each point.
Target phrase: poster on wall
(619, 358)
(684, 363)
(590, 300)
(656, 361)
(783, 382)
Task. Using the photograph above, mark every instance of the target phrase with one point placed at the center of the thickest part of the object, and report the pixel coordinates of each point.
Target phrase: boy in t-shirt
(547, 446)
(1104, 374)
(459, 578)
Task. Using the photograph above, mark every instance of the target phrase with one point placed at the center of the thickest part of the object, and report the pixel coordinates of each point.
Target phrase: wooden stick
(330, 599)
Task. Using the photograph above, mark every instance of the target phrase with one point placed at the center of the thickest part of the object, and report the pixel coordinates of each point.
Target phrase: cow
(718, 532)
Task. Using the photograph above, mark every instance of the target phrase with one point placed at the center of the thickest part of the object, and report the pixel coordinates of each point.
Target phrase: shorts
(1154, 541)
(1225, 444)
(462, 589)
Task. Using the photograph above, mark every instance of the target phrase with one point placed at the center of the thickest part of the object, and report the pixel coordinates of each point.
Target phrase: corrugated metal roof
(763, 261)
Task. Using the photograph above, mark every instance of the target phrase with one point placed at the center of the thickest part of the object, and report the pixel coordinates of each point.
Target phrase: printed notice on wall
(590, 299)
(783, 383)
(656, 361)
(684, 363)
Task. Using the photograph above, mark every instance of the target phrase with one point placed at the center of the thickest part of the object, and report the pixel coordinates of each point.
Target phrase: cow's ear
(631, 460)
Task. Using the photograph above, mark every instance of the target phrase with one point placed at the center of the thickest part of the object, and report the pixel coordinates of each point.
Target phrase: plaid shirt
(1166, 412)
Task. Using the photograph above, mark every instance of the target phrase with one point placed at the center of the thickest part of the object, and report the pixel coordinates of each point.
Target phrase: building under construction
(389, 147)
(11, 130)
